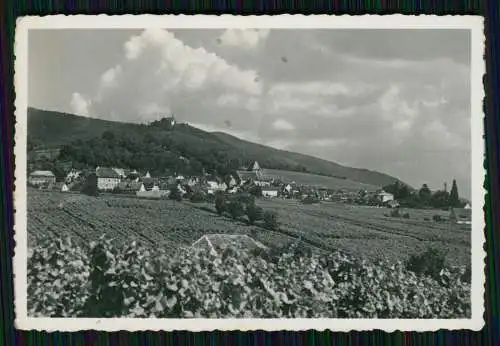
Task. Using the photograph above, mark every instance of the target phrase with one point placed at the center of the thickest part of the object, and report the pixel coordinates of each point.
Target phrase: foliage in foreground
(65, 280)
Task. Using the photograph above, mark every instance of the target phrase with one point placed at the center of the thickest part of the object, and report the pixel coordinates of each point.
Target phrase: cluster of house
(129, 181)
(274, 187)
(144, 185)
(47, 180)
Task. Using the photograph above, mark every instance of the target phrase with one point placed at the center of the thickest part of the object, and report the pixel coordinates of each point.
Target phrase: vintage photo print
(243, 173)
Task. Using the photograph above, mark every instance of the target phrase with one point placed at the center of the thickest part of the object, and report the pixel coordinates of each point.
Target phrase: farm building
(270, 192)
(107, 178)
(41, 177)
(217, 242)
(384, 197)
(460, 216)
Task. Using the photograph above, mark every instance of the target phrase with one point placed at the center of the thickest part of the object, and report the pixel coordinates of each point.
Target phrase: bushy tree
(425, 194)
(197, 197)
(245, 199)
(255, 191)
(90, 186)
(440, 199)
(220, 203)
(429, 263)
(399, 190)
(271, 220)
(254, 213)
(175, 194)
(235, 209)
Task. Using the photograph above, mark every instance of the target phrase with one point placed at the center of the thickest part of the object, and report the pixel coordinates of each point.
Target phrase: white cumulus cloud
(243, 38)
(79, 104)
(159, 72)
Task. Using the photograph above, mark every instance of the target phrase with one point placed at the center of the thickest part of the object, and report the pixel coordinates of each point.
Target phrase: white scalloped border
(474, 23)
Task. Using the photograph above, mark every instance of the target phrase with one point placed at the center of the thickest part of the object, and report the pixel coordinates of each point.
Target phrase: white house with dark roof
(41, 178)
(107, 178)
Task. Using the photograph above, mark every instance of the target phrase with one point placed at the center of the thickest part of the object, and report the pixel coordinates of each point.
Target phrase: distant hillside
(319, 180)
(99, 142)
(313, 164)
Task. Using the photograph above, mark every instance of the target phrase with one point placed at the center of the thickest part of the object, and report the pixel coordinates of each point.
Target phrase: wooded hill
(180, 148)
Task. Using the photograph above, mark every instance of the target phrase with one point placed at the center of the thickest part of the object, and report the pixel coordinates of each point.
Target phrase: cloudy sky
(397, 101)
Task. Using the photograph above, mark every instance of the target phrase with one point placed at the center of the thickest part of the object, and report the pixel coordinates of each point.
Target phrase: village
(251, 179)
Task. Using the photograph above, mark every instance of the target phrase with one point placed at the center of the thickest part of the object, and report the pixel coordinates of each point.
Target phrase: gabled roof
(42, 174)
(246, 174)
(120, 171)
(254, 166)
(106, 172)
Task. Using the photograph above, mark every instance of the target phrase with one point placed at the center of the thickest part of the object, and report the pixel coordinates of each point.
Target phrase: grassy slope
(318, 180)
(55, 129)
(314, 164)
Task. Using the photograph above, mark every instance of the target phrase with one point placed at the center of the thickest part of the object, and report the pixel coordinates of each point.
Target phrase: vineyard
(366, 231)
(362, 231)
(93, 257)
(103, 280)
(164, 223)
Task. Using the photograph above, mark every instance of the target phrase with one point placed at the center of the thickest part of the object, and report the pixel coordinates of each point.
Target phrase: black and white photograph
(280, 172)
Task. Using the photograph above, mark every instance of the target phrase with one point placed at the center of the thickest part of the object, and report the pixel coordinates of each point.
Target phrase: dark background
(490, 9)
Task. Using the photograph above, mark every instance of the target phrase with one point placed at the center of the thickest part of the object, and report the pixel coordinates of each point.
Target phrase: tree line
(158, 151)
(424, 197)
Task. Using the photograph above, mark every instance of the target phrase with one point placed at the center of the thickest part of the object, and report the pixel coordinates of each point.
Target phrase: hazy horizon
(392, 101)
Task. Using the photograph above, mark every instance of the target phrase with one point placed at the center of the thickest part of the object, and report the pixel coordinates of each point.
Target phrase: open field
(319, 180)
(361, 231)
